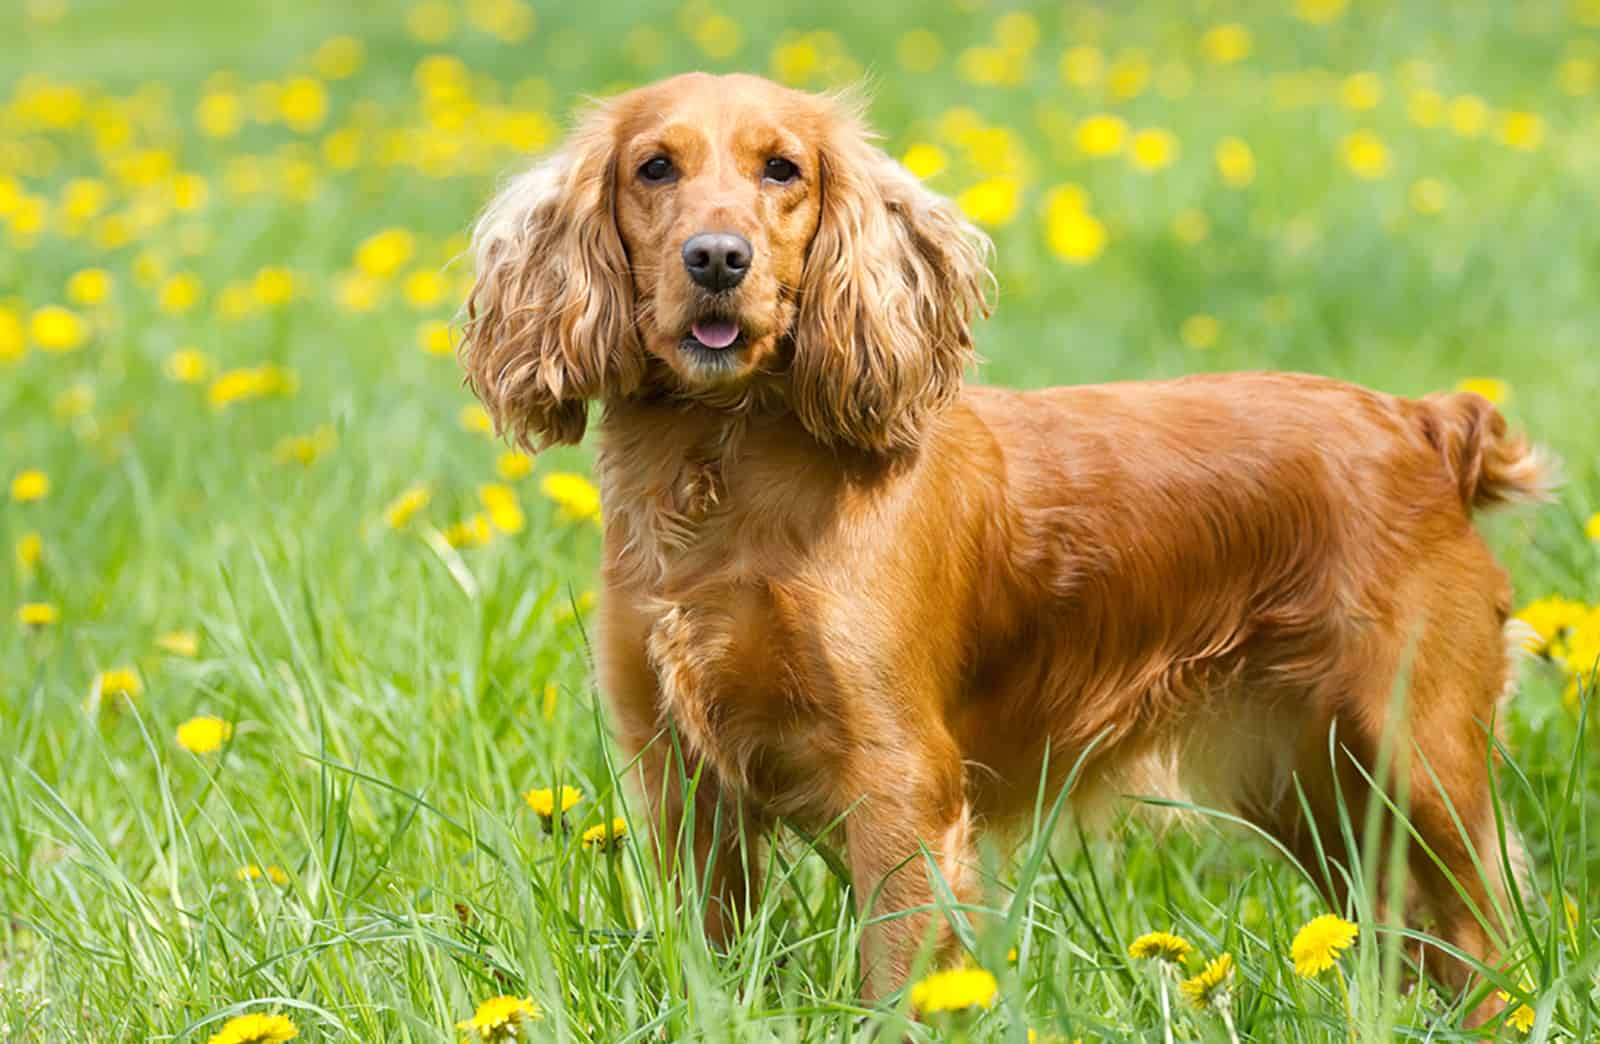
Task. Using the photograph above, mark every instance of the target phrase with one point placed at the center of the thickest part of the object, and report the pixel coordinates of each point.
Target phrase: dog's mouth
(714, 335)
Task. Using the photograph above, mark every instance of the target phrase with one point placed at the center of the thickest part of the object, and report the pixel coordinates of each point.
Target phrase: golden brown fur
(855, 589)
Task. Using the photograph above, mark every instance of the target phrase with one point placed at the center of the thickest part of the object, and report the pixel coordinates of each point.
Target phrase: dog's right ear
(549, 321)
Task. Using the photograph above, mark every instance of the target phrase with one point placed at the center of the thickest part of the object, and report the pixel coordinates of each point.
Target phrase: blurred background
(241, 477)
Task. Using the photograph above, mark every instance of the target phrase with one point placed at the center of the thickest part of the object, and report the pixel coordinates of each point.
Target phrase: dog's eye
(780, 170)
(657, 169)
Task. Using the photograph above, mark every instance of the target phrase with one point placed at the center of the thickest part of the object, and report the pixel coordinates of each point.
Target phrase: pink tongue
(715, 333)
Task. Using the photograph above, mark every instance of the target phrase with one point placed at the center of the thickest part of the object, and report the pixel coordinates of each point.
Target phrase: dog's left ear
(893, 281)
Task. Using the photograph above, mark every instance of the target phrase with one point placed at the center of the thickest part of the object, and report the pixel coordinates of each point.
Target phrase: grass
(391, 696)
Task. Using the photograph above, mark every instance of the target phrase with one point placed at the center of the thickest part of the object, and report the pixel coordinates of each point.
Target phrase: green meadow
(290, 643)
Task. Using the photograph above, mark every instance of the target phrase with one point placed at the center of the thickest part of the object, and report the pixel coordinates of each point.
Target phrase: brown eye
(657, 170)
(780, 170)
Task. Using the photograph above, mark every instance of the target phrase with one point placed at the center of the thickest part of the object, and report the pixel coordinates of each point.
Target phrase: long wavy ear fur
(891, 286)
(550, 317)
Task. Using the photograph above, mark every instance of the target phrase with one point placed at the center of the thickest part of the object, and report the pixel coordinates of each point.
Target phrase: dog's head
(710, 234)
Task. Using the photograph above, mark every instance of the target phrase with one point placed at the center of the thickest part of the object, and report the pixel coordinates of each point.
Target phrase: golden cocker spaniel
(845, 585)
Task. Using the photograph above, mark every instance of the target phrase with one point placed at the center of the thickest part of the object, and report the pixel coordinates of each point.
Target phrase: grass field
(242, 491)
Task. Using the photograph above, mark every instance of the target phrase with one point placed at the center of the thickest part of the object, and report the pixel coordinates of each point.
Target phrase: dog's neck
(681, 479)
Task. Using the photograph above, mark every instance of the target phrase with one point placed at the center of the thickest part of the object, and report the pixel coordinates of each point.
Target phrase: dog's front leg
(692, 813)
(887, 833)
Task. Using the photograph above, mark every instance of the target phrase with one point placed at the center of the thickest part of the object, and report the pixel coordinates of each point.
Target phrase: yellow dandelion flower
(606, 836)
(1494, 389)
(505, 514)
(1522, 130)
(1101, 135)
(1211, 984)
(512, 465)
(29, 551)
(1520, 1018)
(179, 293)
(1201, 331)
(1591, 529)
(189, 192)
(404, 508)
(924, 160)
(339, 58)
(303, 104)
(1551, 619)
(425, 288)
(567, 610)
(1469, 115)
(250, 383)
(1072, 233)
(430, 22)
(89, 286)
(273, 285)
(501, 1018)
(718, 36)
(119, 681)
(1128, 75)
(37, 614)
(955, 990)
(187, 365)
(56, 329)
(236, 301)
(577, 496)
(543, 801)
(992, 202)
(1226, 44)
(1365, 154)
(476, 419)
(83, 198)
(1320, 12)
(358, 292)
(255, 1029)
(219, 114)
(180, 643)
(434, 337)
(204, 734)
(1159, 946)
(1236, 162)
(471, 532)
(1578, 76)
(383, 254)
(29, 486)
(1425, 108)
(547, 704)
(307, 449)
(12, 340)
(1319, 943)
(1082, 66)
(251, 872)
(1361, 91)
(1153, 149)
(1017, 31)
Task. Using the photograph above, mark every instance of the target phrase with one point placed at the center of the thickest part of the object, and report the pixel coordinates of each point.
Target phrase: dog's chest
(738, 680)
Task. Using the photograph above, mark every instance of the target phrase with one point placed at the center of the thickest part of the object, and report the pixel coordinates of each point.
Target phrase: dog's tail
(1490, 466)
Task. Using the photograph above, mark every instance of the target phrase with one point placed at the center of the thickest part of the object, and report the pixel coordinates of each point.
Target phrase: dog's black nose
(717, 260)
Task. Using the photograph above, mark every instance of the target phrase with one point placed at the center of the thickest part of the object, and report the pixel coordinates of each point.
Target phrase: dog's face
(718, 196)
(703, 233)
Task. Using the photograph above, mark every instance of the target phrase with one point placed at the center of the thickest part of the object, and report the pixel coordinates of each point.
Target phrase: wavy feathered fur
(855, 589)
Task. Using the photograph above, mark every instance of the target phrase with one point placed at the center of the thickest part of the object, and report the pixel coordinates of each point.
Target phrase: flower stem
(1226, 1010)
(1349, 1015)
(1166, 1012)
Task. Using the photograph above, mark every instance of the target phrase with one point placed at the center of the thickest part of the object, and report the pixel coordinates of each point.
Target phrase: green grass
(388, 691)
